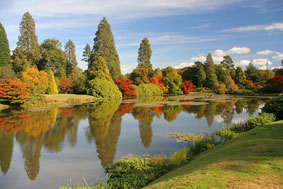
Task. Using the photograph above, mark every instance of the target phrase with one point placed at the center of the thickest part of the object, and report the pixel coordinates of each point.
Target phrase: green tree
(157, 72)
(79, 81)
(52, 87)
(53, 57)
(172, 80)
(144, 56)
(222, 73)
(5, 58)
(27, 53)
(240, 77)
(252, 72)
(6, 151)
(212, 81)
(99, 70)
(70, 53)
(104, 46)
(201, 75)
(86, 53)
(209, 65)
(227, 62)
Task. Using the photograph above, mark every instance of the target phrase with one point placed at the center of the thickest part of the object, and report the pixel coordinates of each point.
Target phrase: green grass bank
(252, 160)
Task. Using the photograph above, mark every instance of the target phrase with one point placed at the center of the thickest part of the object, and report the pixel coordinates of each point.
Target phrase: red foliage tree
(126, 87)
(13, 90)
(158, 80)
(187, 87)
(276, 83)
(66, 85)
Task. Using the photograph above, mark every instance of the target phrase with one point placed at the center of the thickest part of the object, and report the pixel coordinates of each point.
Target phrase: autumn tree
(66, 85)
(187, 87)
(52, 86)
(139, 76)
(13, 90)
(53, 58)
(27, 53)
(126, 87)
(70, 54)
(144, 56)
(5, 58)
(104, 46)
(37, 81)
(276, 83)
(158, 80)
(240, 77)
(86, 53)
(230, 84)
(172, 80)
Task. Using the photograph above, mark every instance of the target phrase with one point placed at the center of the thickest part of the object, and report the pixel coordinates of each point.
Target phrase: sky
(180, 31)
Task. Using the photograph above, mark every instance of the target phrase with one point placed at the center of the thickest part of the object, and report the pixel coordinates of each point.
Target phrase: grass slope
(253, 160)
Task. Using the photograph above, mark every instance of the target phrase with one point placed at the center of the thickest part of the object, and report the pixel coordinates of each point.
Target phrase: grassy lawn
(66, 97)
(253, 160)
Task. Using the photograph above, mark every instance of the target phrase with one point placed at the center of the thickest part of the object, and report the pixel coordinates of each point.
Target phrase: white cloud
(265, 52)
(128, 68)
(239, 50)
(243, 63)
(278, 56)
(199, 58)
(261, 62)
(273, 26)
(184, 64)
(219, 52)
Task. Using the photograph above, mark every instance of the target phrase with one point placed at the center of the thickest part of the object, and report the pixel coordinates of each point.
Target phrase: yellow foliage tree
(37, 81)
(52, 87)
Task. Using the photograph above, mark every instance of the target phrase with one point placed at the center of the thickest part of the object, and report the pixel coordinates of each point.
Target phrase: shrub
(148, 90)
(158, 80)
(126, 87)
(226, 133)
(221, 88)
(101, 88)
(37, 81)
(66, 85)
(275, 106)
(187, 87)
(172, 80)
(15, 91)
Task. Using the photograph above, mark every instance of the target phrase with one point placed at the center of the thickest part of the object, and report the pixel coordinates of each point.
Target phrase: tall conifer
(144, 56)
(104, 46)
(5, 57)
(86, 53)
(27, 53)
(70, 53)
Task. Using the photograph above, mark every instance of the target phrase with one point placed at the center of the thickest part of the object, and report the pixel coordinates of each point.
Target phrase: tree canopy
(144, 56)
(5, 58)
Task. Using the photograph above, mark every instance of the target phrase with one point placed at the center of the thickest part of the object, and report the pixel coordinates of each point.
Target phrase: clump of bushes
(275, 106)
(101, 88)
(148, 90)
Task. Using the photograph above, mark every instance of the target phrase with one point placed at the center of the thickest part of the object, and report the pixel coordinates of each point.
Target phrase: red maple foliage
(13, 90)
(158, 80)
(187, 87)
(276, 83)
(126, 87)
(254, 86)
(66, 85)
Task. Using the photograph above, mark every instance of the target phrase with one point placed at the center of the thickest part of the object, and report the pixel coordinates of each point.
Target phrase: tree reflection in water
(51, 128)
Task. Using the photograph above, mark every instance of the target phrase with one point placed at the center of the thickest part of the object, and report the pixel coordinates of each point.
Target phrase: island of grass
(252, 160)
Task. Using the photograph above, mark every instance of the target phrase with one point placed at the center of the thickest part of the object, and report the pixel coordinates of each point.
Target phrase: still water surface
(50, 148)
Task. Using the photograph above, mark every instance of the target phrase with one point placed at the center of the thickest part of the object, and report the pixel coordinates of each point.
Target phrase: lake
(54, 147)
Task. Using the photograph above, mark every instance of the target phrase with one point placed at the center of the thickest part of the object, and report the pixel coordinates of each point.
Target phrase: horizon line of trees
(103, 78)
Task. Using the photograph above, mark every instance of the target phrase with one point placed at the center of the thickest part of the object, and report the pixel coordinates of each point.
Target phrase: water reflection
(51, 129)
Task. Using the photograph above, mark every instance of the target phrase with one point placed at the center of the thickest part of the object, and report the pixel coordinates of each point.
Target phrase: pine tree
(209, 65)
(70, 53)
(5, 58)
(144, 56)
(52, 87)
(240, 77)
(27, 53)
(104, 46)
(86, 53)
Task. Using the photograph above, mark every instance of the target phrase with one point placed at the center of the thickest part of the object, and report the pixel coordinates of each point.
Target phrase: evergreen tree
(209, 65)
(222, 73)
(240, 77)
(53, 58)
(5, 58)
(144, 56)
(70, 53)
(86, 53)
(227, 62)
(201, 76)
(27, 53)
(104, 46)
(252, 72)
(99, 70)
(52, 87)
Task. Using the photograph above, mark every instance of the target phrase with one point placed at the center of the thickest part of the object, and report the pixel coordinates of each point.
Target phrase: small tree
(187, 87)
(37, 81)
(52, 86)
(276, 83)
(172, 80)
(66, 85)
(13, 90)
(126, 87)
(139, 76)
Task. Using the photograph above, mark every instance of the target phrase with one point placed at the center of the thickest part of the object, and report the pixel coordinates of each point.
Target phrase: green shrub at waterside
(275, 106)
(226, 133)
(148, 90)
(101, 88)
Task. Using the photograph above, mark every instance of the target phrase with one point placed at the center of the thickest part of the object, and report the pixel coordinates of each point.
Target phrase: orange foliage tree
(37, 81)
(125, 86)
(276, 83)
(187, 87)
(158, 80)
(13, 90)
(66, 85)
(254, 86)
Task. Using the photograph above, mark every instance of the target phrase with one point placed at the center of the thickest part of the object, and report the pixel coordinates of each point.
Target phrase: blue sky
(180, 31)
